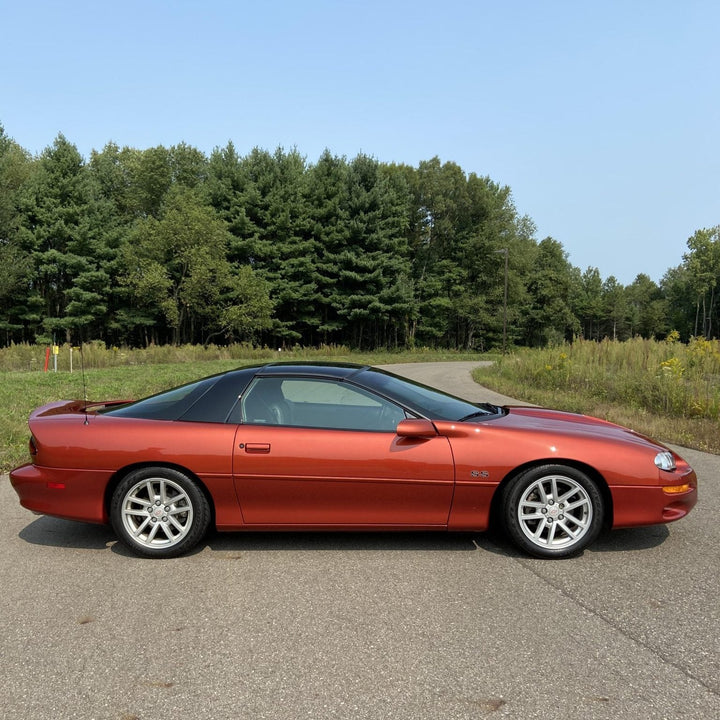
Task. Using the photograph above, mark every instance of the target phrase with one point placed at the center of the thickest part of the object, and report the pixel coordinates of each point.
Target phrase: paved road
(361, 626)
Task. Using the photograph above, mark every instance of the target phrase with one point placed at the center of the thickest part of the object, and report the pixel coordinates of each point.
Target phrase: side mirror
(416, 428)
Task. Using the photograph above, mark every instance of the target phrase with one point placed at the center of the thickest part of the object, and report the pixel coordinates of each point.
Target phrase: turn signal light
(674, 489)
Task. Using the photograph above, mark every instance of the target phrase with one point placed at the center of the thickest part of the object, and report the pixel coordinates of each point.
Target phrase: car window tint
(426, 401)
(169, 405)
(318, 403)
(323, 392)
(208, 400)
(216, 404)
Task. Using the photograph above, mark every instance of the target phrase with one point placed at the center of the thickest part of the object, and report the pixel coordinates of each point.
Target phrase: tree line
(169, 245)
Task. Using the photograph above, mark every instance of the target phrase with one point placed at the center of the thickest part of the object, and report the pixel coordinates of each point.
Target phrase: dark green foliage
(550, 318)
(63, 245)
(700, 273)
(167, 245)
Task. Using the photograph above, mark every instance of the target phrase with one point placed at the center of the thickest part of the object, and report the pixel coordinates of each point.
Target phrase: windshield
(423, 400)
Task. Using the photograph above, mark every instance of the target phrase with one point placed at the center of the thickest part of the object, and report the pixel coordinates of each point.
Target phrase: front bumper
(636, 505)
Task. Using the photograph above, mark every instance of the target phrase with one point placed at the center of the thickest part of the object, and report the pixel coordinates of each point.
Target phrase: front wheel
(159, 512)
(552, 511)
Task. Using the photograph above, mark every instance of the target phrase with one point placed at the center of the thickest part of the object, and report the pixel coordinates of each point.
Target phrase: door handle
(256, 447)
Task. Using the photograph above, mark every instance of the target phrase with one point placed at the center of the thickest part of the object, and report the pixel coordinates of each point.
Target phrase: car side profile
(304, 446)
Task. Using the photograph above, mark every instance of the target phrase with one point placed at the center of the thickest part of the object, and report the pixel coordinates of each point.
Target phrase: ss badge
(479, 473)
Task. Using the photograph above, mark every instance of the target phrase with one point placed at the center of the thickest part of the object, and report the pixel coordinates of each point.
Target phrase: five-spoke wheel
(552, 511)
(159, 512)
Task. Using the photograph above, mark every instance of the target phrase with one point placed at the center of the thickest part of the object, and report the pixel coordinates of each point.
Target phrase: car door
(318, 452)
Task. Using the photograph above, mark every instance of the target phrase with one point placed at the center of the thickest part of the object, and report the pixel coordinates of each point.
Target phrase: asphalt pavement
(402, 626)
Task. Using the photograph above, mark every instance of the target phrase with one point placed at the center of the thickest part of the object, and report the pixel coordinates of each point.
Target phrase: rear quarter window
(208, 400)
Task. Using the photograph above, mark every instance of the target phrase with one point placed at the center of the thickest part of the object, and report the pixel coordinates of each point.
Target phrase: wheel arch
(119, 475)
(589, 470)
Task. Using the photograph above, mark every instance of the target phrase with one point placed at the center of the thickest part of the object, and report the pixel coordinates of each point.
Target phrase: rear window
(168, 405)
(207, 400)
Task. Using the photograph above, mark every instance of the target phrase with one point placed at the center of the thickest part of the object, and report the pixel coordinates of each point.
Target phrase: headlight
(665, 460)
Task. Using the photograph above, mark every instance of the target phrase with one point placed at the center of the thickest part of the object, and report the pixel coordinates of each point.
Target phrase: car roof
(311, 369)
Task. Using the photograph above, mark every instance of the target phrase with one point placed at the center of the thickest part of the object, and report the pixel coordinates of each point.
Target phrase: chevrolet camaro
(342, 447)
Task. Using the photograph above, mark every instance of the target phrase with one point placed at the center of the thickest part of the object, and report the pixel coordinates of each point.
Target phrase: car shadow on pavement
(627, 539)
(492, 541)
(55, 532)
(622, 540)
(409, 541)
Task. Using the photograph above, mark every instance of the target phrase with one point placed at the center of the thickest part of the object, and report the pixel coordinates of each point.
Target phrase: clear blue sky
(602, 117)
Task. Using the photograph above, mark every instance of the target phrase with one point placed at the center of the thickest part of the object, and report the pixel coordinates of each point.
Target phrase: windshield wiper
(475, 414)
(489, 410)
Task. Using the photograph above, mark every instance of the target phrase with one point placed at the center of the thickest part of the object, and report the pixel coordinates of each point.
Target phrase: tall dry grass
(95, 355)
(664, 388)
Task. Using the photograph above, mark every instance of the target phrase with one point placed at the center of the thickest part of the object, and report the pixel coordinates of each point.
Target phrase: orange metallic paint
(312, 476)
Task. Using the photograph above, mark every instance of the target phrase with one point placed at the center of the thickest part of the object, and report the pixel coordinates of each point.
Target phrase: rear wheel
(552, 511)
(159, 512)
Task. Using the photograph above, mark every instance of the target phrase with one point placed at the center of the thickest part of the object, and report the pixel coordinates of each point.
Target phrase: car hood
(559, 422)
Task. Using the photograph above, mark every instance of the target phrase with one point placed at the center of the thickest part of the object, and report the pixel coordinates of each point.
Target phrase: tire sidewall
(518, 485)
(200, 508)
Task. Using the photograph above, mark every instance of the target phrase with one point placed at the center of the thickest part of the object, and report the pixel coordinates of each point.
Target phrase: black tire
(552, 511)
(159, 512)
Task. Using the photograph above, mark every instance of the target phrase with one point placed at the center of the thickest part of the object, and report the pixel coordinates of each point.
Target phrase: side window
(265, 404)
(315, 403)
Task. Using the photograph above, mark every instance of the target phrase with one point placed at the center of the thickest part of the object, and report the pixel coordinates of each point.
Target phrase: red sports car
(342, 447)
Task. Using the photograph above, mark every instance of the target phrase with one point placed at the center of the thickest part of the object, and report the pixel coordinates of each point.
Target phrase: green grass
(131, 374)
(666, 390)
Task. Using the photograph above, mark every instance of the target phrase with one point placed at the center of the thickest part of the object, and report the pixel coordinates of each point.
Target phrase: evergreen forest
(171, 246)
